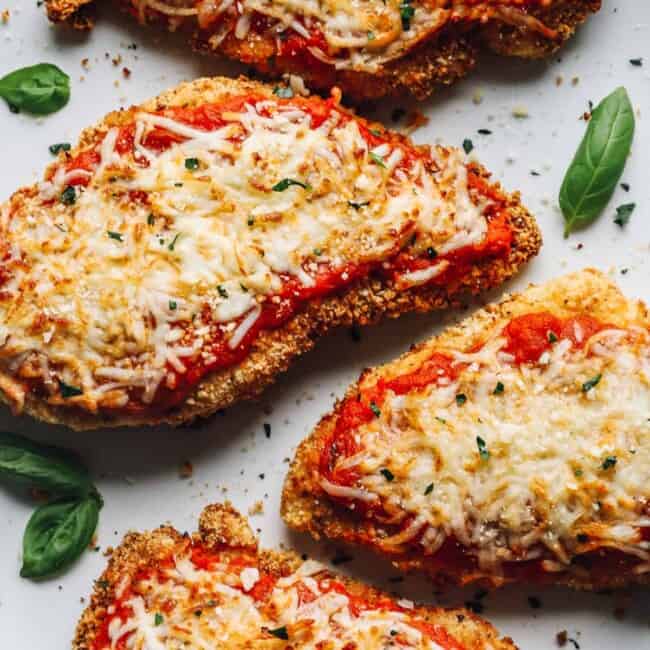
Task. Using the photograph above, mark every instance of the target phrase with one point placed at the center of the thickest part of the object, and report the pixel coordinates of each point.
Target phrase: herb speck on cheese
(592, 383)
(482, 448)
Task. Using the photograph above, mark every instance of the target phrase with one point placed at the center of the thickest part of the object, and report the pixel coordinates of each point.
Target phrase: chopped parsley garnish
(67, 390)
(609, 462)
(625, 187)
(485, 131)
(592, 383)
(243, 287)
(577, 472)
(378, 160)
(371, 36)
(222, 291)
(198, 612)
(68, 196)
(432, 253)
(406, 12)
(387, 474)
(57, 148)
(468, 145)
(318, 251)
(499, 388)
(285, 92)
(376, 132)
(172, 305)
(250, 221)
(552, 338)
(429, 489)
(158, 619)
(461, 398)
(623, 214)
(637, 62)
(117, 236)
(192, 164)
(280, 633)
(358, 206)
(441, 420)
(286, 183)
(375, 409)
(151, 219)
(482, 448)
(173, 244)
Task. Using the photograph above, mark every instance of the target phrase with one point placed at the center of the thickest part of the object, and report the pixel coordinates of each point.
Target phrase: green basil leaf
(57, 534)
(40, 89)
(598, 164)
(26, 463)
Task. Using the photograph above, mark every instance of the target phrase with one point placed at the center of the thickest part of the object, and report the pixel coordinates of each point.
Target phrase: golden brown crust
(366, 302)
(438, 61)
(306, 507)
(221, 525)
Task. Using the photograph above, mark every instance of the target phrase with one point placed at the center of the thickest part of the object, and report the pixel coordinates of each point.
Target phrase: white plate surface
(137, 471)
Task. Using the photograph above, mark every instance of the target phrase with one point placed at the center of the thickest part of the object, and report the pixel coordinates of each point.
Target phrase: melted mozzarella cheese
(110, 293)
(200, 609)
(359, 34)
(563, 468)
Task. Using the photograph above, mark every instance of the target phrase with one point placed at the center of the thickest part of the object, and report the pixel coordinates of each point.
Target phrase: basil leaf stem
(599, 162)
(57, 534)
(40, 89)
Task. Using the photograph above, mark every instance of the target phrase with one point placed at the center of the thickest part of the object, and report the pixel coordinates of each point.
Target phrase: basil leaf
(599, 161)
(40, 89)
(26, 463)
(57, 534)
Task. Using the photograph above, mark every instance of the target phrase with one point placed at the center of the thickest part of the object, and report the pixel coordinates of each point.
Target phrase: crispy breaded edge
(306, 507)
(439, 61)
(365, 302)
(221, 525)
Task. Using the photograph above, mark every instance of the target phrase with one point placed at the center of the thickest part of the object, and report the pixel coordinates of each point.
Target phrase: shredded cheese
(533, 461)
(359, 35)
(112, 294)
(183, 606)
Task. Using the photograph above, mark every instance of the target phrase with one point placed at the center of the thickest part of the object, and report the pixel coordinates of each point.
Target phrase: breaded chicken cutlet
(369, 49)
(186, 250)
(512, 448)
(215, 589)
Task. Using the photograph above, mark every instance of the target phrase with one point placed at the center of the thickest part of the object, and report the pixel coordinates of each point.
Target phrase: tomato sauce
(278, 309)
(530, 335)
(205, 559)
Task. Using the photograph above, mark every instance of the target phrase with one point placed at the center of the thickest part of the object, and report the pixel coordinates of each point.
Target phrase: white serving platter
(138, 471)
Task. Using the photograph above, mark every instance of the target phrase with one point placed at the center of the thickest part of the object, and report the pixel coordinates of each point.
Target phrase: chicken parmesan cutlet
(215, 589)
(369, 49)
(512, 448)
(187, 249)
